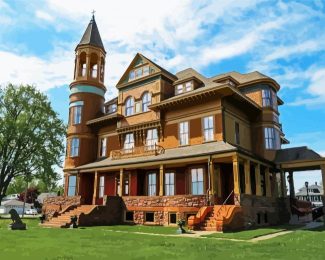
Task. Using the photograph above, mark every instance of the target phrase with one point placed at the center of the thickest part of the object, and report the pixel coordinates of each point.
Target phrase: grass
(253, 233)
(100, 243)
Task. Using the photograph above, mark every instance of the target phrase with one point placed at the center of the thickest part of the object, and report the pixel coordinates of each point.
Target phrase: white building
(315, 193)
(7, 205)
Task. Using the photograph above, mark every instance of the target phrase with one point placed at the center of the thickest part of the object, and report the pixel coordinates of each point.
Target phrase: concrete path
(270, 236)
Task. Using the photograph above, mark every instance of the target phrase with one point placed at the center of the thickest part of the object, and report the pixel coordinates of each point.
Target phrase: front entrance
(86, 187)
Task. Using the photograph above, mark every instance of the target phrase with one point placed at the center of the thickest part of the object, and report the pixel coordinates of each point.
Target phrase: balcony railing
(137, 151)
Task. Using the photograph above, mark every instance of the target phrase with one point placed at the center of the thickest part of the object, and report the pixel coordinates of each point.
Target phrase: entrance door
(87, 188)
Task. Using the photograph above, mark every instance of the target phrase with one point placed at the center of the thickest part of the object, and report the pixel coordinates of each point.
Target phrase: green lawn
(101, 243)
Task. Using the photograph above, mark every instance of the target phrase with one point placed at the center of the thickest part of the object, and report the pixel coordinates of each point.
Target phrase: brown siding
(112, 144)
(170, 136)
(195, 131)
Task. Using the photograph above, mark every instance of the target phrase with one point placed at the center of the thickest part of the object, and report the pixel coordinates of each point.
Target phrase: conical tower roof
(91, 35)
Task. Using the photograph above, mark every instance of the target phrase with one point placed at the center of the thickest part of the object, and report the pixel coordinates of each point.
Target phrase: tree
(31, 135)
(31, 196)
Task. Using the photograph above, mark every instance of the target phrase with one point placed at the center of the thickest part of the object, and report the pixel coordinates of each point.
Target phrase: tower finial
(93, 17)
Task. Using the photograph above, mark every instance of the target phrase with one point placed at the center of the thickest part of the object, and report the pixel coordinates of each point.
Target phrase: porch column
(235, 165)
(291, 185)
(161, 180)
(78, 184)
(248, 187)
(121, 191)
(66, 184)
(218, 178)
(283, 184)
(267, 182)
(322, 167)
(275, 192)
(212, 178)
(258, 180)
(95, 188)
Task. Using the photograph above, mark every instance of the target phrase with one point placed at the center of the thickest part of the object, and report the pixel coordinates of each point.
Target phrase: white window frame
(129, 106)
(74, 186)
(76, 115)
(152, 138)
(208, 128)
(183, 130)
(101, 188)
(129, 142)
(152, 184)
(197, 181)
(146, 101)
(74, 147)
(169, 183)
(269, 137)
(103, 147)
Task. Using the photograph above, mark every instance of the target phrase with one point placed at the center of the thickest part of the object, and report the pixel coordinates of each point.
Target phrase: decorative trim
(87, 89)
(76, 103)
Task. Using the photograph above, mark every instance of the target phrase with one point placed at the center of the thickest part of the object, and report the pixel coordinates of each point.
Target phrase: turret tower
(86, 97)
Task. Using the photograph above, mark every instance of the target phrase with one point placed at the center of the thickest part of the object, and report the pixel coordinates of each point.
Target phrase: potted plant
(181, 224)
(74, 220)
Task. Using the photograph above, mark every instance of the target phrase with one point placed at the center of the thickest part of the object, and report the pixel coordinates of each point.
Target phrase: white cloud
(45, 74)
(44, 16)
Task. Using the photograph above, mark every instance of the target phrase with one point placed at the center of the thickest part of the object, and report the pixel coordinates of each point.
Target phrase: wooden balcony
(146, 150)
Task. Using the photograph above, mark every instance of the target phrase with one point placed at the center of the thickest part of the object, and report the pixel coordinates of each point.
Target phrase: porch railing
(137, 151)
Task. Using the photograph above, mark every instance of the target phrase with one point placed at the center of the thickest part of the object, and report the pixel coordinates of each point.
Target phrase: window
(152, 183)
(129, 106)
(76, 115)
(208, 128)
(271, 141)
(101, 186)
(197, 181)
(172, 218)
(179, 89)
(111, 108)
(139, 72)
(83, 69)
(129, 141)
(72, 185)
(169, 183)
(126, 186)
(152, 138)
(237, 136)
(150, 217)
(146, 101)
(188, 86)
(74, 147)
(129, 215)
(269, 98)
(103, 146)
(94, 71)
(183, 133)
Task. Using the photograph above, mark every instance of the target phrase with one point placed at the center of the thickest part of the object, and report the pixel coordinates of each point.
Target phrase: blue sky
(282, 39)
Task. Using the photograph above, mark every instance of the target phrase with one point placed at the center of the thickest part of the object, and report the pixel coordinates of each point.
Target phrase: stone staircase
(63, 219)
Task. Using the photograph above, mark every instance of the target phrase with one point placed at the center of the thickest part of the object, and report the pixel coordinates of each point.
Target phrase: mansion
(175, 146)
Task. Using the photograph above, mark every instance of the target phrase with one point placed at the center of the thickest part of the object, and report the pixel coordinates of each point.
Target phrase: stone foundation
(162, 206)
(53, 205)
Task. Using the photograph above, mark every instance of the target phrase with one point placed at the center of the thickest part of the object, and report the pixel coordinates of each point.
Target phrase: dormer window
(184, 87)
(139, 72)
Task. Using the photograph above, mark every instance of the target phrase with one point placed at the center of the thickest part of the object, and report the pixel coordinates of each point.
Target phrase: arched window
(129, 106)
(93, 65)
(146, 101)
(102, 69)
(82, 65)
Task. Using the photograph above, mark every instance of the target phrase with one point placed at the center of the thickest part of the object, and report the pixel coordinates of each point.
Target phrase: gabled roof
(296, 154)
(91, 36)
(133, 64)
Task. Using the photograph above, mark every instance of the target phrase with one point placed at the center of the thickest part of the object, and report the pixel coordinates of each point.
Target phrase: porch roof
(170, 154)
(299, 159)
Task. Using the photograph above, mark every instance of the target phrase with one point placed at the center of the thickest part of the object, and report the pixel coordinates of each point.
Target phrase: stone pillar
(283, 184)
(121, 191)
(291, 185)
(161, 180)
(248, 186)
(95, 188)
(267, 182)
(258, 180)
(218, 178)
(88, 66)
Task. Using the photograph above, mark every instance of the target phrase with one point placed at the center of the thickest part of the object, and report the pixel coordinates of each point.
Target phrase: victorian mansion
(175, 146)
